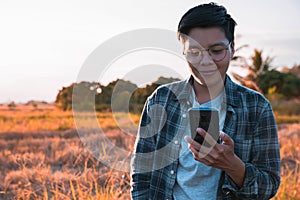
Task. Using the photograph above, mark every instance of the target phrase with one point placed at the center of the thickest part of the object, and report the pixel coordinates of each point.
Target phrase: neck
(204, 93)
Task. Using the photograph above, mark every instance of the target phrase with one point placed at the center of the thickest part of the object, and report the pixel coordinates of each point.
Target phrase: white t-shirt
(194, 179)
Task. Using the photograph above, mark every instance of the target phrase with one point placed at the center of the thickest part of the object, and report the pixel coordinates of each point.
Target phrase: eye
(217, 50)
(193, 52)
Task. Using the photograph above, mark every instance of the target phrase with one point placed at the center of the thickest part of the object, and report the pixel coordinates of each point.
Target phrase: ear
(183, 40)
(232, 49)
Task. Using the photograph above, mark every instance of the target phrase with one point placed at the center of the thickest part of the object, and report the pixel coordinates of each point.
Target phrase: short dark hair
(207, 15)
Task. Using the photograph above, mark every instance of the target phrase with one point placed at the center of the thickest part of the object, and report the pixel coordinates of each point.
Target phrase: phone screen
(206, 118)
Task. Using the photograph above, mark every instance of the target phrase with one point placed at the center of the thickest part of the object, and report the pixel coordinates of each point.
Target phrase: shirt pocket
(242, 148)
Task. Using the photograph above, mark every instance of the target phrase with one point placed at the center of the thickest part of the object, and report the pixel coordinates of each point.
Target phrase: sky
(44, 44)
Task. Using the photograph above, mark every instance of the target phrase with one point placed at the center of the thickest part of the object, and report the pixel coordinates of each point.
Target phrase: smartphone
(206, 118)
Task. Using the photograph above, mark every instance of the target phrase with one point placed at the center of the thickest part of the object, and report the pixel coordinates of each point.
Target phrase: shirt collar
(231, 90)
(183, 93)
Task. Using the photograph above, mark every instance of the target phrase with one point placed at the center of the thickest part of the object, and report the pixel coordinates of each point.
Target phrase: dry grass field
(42, 157)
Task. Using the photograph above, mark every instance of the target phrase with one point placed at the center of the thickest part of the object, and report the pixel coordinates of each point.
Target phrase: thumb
(226, 138)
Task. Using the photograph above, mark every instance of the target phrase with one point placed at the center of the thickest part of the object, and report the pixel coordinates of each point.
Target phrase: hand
(220, 156)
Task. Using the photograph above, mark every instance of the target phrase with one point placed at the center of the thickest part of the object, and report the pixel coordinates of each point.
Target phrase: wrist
(237, 171)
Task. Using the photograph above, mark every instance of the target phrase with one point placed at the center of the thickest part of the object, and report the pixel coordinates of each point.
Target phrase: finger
(197, 154)
(194, 151)
(200, 157)
(192, 142)
(206, 162)
(226, 138)
(204, 151)
(198, 149)
(207, 137)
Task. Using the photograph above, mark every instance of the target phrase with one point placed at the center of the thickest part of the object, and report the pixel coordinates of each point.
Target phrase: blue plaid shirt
(249, 122)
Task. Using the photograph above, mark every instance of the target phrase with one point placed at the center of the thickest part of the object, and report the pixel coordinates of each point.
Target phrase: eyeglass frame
(226, 47)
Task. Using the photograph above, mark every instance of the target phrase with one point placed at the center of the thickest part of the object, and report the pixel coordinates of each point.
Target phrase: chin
(207, 77)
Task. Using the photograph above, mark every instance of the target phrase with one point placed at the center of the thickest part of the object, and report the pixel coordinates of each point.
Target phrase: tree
(294, 70)
(258, 67)
(81, 95)
(286, 84)
(140, 95)
(64, 98)
(12, 105)
(119, 95)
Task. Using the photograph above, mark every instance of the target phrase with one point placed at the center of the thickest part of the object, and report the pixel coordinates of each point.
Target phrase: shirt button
(184, 115)
(176, 141)
(188, 103)
(172, 172)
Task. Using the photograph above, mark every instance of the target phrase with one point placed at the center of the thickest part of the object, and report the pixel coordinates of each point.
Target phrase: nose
(206, 59)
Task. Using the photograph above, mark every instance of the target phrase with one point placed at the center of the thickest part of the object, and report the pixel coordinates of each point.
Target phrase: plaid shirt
(249, 122)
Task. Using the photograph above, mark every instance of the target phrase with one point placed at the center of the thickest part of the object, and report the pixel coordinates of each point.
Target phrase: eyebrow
(218, 44)
(213, 45)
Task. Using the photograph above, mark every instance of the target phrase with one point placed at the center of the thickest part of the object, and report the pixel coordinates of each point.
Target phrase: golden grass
(57, 166)
(289, 138)
(42, 156)
(54, 119)
(281, 119)
(35, 120)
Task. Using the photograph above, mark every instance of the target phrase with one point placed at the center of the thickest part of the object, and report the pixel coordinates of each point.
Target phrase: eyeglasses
(217, 52)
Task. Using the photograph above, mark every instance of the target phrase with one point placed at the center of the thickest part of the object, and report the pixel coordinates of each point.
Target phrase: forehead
(206, 36)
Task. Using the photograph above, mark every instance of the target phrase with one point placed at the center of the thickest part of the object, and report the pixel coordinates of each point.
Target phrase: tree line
(265, 78)
(281, 87)
(121, 95)
(94, 96)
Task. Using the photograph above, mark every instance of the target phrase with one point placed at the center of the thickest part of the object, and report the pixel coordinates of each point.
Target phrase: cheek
(223, 65)
(192, 69)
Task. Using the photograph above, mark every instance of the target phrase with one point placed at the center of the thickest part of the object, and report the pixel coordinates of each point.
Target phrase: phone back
(205, 118)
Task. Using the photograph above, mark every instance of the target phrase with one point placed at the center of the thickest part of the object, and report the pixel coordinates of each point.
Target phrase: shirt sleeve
(142, 157)
(262, 176)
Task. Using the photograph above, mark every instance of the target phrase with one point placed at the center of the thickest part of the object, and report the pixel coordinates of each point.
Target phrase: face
(208, 54)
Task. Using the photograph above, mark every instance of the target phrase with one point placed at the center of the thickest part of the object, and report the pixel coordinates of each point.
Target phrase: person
(167, 163)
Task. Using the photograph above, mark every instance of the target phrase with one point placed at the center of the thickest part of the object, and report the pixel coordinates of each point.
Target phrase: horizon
(103, 85)
(44, 44)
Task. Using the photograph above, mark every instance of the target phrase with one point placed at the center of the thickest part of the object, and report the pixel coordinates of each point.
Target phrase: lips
(207, 72)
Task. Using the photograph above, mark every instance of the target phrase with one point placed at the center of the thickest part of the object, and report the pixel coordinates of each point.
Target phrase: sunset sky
(43, 44)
